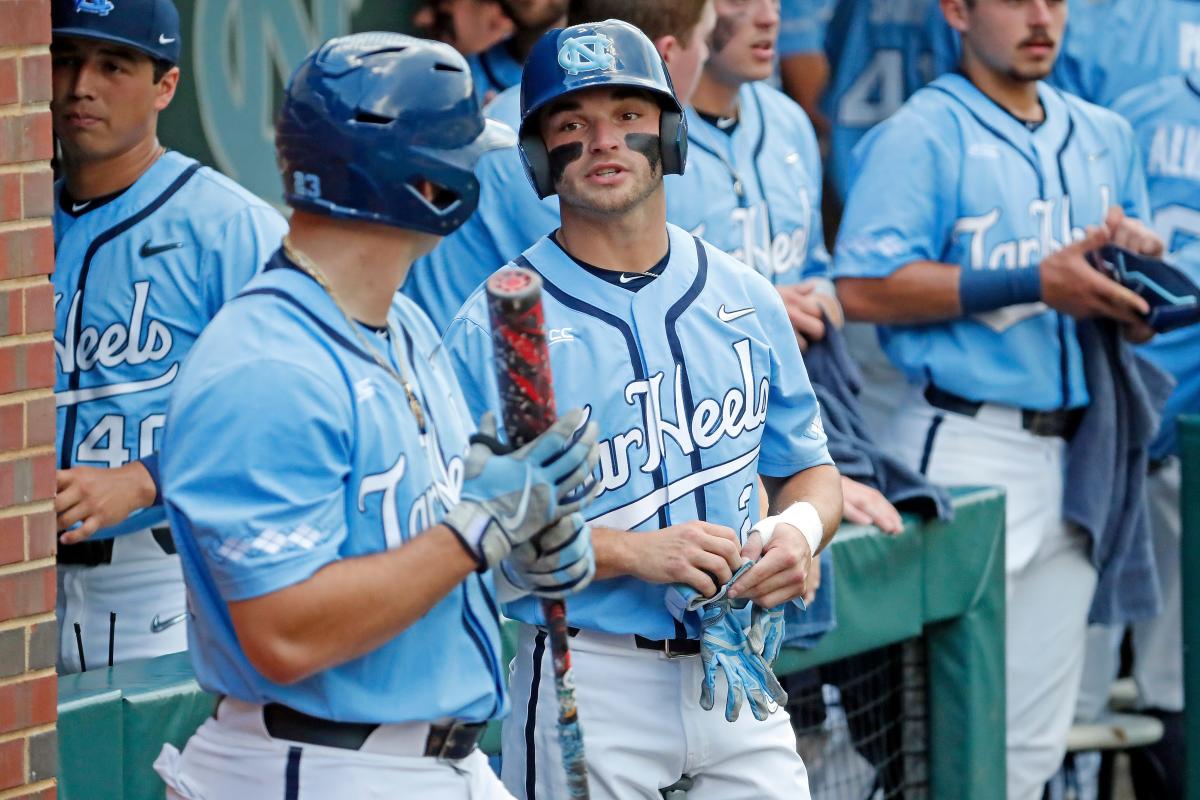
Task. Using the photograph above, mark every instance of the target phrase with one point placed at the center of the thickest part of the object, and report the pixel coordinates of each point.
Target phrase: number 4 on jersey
(105, 443)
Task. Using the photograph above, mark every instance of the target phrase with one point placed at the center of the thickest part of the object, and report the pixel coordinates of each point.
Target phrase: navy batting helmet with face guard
(609, 53)
(369, 117)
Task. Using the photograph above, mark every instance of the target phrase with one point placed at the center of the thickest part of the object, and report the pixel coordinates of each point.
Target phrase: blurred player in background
(149, 245)
(753, 189)
(469, 26)
(715, 393)
(341, 577)
(499, 67)
(1165, 115)
(511, 217)
(1113, 46)
(964, 237)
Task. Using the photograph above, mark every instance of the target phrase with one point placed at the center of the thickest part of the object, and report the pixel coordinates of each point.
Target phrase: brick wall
(28, 747)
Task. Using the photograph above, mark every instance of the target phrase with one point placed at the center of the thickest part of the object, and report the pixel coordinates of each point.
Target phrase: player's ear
(955, 12)
(165, 88)
(667, 47)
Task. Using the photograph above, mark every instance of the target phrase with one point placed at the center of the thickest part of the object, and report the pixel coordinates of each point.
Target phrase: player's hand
(701, 555)
(725, 646)
(804, 308)
(865, 505)
(1132, 234)
(99, 497)
(780, 573)
(554, 563)
(1073, 286)
(508, 497)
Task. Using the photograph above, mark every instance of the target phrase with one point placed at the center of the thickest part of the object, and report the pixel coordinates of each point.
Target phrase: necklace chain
(310, 268)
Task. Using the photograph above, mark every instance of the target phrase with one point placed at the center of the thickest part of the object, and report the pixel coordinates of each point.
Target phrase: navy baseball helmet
(609, 53)
(151, 26)
(368, 117)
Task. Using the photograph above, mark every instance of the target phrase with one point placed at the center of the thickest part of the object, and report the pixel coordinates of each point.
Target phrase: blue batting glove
(724, 646)
(766, 632)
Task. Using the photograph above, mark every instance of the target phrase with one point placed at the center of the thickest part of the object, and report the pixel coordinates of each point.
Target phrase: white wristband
(802, 516)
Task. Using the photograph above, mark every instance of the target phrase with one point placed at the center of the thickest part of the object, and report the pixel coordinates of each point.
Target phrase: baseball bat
(527, 401)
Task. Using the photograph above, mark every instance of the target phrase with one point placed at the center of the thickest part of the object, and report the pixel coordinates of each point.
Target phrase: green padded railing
(941, 581)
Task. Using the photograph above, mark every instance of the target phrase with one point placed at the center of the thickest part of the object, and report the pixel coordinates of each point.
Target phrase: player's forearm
(821, 486)
(349, 607)
(922, 291)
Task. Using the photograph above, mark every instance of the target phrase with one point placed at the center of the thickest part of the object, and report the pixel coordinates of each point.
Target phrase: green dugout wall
(941, 583)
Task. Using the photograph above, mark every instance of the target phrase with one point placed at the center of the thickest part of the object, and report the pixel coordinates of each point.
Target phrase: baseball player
(511, 217)
(336, 530)
(753, 188)
(469, 26)
(706, 390)
(964, 238)
(499, 67)
(149, 245)
(1115, 46)
(1165, 114)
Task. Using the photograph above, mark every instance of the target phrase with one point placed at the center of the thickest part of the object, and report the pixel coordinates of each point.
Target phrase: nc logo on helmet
(101, 7)
(586, 54)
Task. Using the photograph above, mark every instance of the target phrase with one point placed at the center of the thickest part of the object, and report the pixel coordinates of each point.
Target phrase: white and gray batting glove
(508, 497)
(556, 562)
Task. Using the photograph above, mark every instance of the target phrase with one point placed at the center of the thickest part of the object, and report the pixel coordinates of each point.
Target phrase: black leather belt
(672, 647)
(451, 741)
(95, 553)
(1062, 422)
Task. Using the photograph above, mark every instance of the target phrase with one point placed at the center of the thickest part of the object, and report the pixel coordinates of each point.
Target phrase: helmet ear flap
(537, 163)
(672, 131)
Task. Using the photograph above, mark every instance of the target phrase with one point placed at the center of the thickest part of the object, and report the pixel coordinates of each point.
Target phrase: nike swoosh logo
(162, 39)
(159, 625)
(77, 207)
(76, 396)
(730, 316)
(154, 249)
(631, 278)
(510, 521)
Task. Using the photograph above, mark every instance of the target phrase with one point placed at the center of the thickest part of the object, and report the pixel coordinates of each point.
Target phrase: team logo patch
(101, 7)
(587, 54)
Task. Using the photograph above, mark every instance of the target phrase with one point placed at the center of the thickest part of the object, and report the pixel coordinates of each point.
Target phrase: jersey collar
(153, 182)
(1049, 136)
(561, 270)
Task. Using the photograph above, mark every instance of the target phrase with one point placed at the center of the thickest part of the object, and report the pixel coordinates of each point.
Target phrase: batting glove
(724, 646)
(508, 497)
(766, 632)
(556, 562)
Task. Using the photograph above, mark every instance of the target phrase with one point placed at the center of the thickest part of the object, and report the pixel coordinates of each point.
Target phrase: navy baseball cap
(151, 26)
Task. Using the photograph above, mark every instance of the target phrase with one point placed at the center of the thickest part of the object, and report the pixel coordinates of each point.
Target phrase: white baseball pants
(143, 585)
(232, 757)
(643, 728)
(1050, 580)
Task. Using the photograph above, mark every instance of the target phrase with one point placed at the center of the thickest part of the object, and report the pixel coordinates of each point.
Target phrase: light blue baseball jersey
(703, 388)
(494, 70)
(290, 448)
(756, 192)
(510, 218)
(880, 52)
(1165, 116)
(135, 281)
(1112, 46)
(954, 178)
(802, 26)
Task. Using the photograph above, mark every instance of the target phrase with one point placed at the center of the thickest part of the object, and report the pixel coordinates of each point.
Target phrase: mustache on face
(1040, 36)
